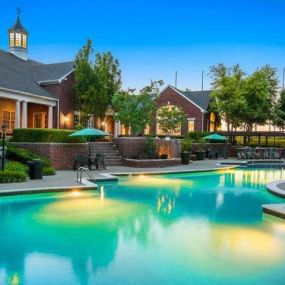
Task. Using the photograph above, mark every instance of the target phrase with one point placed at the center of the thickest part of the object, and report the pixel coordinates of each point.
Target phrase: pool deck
(65, 180)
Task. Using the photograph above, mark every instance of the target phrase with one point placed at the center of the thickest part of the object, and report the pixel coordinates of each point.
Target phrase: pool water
(199, 228)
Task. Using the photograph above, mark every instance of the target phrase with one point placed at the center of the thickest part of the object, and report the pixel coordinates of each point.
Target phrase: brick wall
(60, 154)
(130, 147)
(171, 97)
(66, 97)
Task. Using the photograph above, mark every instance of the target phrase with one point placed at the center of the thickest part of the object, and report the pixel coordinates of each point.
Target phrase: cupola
(18, 39)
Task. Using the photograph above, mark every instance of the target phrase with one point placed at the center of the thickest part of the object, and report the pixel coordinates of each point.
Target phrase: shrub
(24, 155)
(45, 135)
(16, 166)
(8, 176)
(150, 148)
(49, 170)
(196, 136)
(186, 145)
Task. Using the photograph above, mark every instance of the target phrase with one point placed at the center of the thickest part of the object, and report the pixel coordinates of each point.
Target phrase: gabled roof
(52, 72)
(201, 99)
(23, 76)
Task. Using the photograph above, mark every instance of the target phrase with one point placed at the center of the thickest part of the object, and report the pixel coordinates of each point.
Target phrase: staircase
(112, 156)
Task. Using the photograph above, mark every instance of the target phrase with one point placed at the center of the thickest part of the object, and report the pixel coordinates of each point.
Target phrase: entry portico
(24, 110)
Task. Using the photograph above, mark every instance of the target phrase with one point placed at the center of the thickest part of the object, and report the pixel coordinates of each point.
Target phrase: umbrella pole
(89, 147)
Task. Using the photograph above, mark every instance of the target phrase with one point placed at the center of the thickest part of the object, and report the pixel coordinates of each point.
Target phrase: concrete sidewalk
(67, 178)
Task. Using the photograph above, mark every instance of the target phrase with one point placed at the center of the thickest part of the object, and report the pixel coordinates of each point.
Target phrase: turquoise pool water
(200, 228)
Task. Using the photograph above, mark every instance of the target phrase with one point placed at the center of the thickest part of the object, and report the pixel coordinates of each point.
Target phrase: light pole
(3, 147)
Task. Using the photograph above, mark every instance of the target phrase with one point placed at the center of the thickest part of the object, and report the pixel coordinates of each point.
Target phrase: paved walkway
(67, 178)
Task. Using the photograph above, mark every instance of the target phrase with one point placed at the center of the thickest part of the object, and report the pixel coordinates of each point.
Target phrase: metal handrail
(80, 171)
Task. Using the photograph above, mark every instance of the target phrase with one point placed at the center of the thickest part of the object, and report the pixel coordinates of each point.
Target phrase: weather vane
(19, 11)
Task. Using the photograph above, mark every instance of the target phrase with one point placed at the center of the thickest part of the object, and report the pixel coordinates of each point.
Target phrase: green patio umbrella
(89, 132)
(215, 137)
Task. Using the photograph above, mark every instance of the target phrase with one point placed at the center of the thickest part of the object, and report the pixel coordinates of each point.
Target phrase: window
(191, 125)
(24, 41)
(12, 39)
(18, 40)
(9, 120)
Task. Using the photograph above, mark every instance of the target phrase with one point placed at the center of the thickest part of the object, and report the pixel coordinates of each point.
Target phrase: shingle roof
(52, 72)
(200, 98)
(20, 75)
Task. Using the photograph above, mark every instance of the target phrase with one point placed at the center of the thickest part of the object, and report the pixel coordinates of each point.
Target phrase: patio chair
(100, 161)
(276, 154)
(266, 154)
(213, 153)
(78, 160)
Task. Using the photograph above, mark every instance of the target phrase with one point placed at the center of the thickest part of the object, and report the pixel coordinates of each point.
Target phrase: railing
(80, 172)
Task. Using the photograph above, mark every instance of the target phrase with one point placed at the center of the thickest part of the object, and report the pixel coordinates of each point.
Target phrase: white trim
(181, 94)
(191, 119)
(16, 92)
(55, 81)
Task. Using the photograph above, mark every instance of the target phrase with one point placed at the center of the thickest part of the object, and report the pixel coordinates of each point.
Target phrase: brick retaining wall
(60, 154)
(130, 147)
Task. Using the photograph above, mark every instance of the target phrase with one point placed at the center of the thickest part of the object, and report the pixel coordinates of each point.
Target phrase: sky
(154, 39)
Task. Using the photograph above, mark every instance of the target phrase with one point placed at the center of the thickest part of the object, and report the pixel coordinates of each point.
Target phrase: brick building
(33, 94)
(194, 103)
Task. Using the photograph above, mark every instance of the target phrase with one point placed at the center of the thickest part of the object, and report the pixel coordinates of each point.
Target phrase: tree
(135, 111)
(108, 75)
(85, 82)
(259, 92)
(226, 99)
(170, 119)
(279, 119)
(96, 82)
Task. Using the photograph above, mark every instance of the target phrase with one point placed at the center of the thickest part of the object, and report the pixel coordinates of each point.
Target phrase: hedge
(45, 135)
(8, 176)
(24, 155)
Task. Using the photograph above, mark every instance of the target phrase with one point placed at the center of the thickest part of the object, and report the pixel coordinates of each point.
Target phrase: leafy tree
(226, 99)
(108, 75)
(135, 111)
(259, 92)
(85, 82)
(170, 119)
(279, 119)
(95, 82)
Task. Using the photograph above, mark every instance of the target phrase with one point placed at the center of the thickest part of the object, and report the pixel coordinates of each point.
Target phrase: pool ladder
(80, 172)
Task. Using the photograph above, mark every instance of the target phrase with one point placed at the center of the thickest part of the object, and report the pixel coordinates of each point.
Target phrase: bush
(48, 170)
(150, 148)
(8, 176)
(45, 135)
(196, 136)
(16, 166)
(186, 145)
(24, 155)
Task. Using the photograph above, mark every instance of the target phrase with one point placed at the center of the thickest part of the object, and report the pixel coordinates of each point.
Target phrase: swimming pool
(199, 228)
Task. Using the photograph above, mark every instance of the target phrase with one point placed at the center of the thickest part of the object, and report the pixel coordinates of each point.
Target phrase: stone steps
(112, 156)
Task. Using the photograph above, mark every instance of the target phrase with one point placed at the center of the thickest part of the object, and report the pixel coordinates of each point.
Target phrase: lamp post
(3, 146)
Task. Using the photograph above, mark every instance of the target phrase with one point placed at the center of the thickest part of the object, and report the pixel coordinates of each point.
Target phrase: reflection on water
(201, 228)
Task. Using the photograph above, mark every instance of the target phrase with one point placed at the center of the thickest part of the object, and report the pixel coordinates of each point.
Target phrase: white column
(50, 117)
(24, 114)
(117, 129)
(18, 114)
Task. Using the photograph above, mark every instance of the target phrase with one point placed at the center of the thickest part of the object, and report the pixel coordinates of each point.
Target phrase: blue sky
(153, 39)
